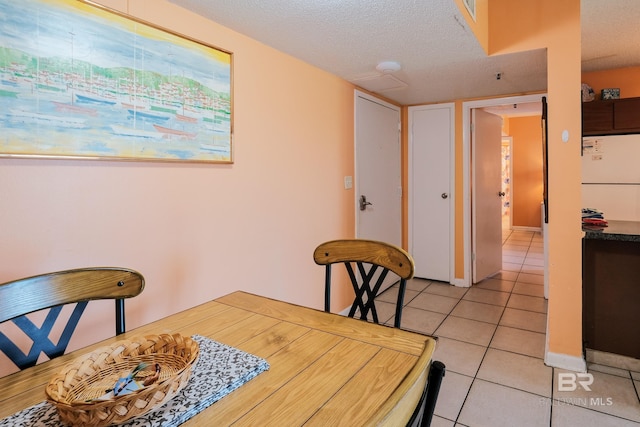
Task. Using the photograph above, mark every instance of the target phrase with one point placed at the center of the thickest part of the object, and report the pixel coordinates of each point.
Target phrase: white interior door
(378, 170)
(430, 190)
(486, 140)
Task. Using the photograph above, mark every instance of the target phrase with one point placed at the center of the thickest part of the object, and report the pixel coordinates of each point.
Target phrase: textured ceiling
(441, 59)
(610, 34)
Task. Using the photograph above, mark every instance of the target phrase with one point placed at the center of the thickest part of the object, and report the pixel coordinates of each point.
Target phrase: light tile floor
(491, 337)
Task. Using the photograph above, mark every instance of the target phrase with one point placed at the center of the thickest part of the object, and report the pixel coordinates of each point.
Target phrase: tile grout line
(497, 324)
(488, 346)
(486, 350)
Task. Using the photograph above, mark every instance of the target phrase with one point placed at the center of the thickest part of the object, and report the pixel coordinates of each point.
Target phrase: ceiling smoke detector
(388, 67)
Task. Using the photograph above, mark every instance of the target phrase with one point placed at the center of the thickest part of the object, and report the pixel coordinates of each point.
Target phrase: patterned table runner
(219, 370)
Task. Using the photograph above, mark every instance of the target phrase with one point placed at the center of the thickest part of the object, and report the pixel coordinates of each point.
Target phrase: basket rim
(59, 399)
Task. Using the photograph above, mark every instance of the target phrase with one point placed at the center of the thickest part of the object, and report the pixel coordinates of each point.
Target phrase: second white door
(430, 190)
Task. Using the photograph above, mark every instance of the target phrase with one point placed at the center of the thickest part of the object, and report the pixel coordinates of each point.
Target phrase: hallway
(491, 338)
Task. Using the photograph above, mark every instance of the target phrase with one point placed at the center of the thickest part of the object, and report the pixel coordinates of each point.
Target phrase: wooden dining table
(325, 369)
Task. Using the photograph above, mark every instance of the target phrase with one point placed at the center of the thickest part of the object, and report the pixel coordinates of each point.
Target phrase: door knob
(364, 203)
(444, 195)
(501, 193)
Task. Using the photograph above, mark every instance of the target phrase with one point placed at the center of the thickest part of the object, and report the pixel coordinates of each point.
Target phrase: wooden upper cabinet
(626, 114)
(597, 116)
(611, 117)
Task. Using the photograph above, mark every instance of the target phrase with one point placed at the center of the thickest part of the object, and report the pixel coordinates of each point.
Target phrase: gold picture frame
(78, 80)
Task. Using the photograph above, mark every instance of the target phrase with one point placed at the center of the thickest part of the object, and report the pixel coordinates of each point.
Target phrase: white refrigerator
(611, 176)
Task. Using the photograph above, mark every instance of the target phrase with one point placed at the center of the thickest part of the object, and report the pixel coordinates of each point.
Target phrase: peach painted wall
(526, 161)
(198, 231)
(627, 79)
(520, 26)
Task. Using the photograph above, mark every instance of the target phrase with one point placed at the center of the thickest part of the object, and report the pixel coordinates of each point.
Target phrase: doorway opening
(504, 107)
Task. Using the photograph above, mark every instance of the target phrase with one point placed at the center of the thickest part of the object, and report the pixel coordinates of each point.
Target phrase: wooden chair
(367, 256)
(54, 290)
(378, 255)
(423, 414)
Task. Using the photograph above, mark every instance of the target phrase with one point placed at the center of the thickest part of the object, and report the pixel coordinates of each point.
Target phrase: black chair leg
(120, 320)
(436, 373)
(400, 303)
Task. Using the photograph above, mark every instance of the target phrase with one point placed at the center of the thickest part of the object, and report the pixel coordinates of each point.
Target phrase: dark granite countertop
(627, 231)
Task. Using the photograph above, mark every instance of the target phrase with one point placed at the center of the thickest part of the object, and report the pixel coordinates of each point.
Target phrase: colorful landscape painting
(77, 80)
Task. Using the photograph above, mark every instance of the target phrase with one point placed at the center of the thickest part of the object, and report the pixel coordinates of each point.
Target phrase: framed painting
(81, 81)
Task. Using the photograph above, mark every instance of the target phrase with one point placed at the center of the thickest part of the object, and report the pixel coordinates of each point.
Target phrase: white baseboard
(562, 361)
(462, 283)
(565, 361)
(345, 312)
(523, 228)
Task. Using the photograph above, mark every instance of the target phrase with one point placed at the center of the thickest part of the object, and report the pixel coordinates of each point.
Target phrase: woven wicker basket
(73, 389)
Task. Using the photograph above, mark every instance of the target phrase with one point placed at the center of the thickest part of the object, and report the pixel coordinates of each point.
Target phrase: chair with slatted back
(54, 290)
(368, 263)
(363, 259)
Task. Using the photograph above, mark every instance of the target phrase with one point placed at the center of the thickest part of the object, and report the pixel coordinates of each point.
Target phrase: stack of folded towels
(593, 218)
